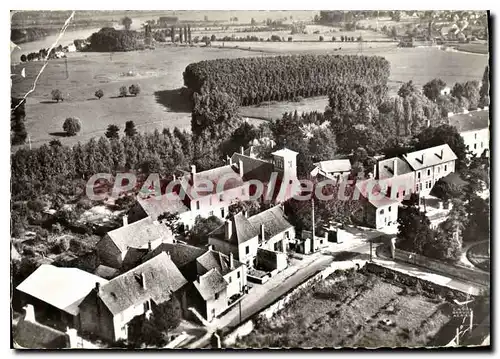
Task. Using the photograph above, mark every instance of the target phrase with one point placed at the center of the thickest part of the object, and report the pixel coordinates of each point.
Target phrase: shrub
(134, 89)
(321, 38)
(99, 93)
(72, 126)
(123, 91)
(57, 95)
(290, 38)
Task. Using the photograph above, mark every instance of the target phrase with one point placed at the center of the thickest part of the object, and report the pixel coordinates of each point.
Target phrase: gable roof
(242, 230)
(333, 166)
(217, 260)
(209, 284)
(162, 278)
(63, 288)
(273, 219)
(472, 121)
(155, 206)
(253, 168)
(181, 254)
(139, 233)
(34, 335)
(386, 168)
(106, 272)
(284, 152)
(431, 157)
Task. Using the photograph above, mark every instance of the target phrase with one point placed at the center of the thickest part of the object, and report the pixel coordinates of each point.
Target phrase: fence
(441, 267)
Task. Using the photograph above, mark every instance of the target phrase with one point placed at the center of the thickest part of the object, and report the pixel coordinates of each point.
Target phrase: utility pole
(239, 305)
(313, 224)
(29, 141)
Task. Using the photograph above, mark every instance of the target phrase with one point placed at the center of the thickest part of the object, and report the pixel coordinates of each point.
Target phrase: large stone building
(474, 128)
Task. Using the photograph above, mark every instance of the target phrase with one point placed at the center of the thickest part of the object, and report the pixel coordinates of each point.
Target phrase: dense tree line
(46, 169)
(18, 132)
(109, 39)
(280, 78)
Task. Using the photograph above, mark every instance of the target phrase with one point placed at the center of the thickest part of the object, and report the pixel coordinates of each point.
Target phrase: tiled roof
(63, 288)
(274, 221)
(334, 166)
(228, 176)
(156, 206)
(386, 168)
(209, 284)
(431, 157)
(106, 272)
(162, 278)
(474, 120)
(33, 335)
(242, 230)
(139, 233)
(217, 260)
(254, 168)
(181, 254)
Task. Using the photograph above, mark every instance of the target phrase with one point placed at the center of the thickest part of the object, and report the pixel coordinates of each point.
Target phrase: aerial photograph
(250, 179)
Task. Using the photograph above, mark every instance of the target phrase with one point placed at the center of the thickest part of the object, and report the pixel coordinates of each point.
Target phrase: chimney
(240, 166)
(229, 160)
(193, 173)
(143, 281)
(168, 254)
(422, 161)
(198, 278)
(231, 261)
(149, 246)
(395, 167)
(72, 337)
(174, 177)
(210, 247)
(242, 150)
(228, 228)
(428, 123)
(97, 287)
(252, 154)
(29, 313)
(125, 220)
(245, 213)
(262, 232)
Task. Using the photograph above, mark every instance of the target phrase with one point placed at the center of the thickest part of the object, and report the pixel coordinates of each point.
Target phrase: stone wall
(442, 267)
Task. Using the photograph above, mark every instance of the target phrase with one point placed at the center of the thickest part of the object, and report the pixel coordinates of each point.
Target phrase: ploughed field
(159, 74)
(357, 310)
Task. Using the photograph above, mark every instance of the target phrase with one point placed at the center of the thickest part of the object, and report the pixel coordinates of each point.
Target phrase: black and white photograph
(250, 179)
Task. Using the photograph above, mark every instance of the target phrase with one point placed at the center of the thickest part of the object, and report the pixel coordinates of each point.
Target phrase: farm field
(357, 310)
(159, 74)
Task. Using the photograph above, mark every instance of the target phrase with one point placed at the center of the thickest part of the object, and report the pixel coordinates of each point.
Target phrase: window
(418, 174)
(247, 249)
(221, 198)
(213, 312)
(230, 279)
(239, 274)
(222, 212)
(197, 205)
(428, 172)
(147, 306)
(390, 208)
(420, 186)
(381, 211)
(475, 136)
(481, 145)
(287, 235)
(475, 145)
(446, 167)
(439, 169)
(216, 296)
(210, 213)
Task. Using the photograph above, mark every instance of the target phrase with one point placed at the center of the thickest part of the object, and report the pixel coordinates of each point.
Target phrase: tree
(213, 38)
(394, 32)
(432, 89)
(171, 220)
(99, 93)
(130, 129)
(55, 142)
(72, 126)
(469, 91)
(321, 38)
(253, 22)
(23, 58)
(407, 89)
(446, 191)
(123, 91)
(126, 22)
(134, 89)
(202, 227)
(484, 93)
(477, 226)
(57, 95)
(413, 229)
(112, 132)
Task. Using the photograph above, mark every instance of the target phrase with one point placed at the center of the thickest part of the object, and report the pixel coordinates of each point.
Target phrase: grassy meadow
(159, 74)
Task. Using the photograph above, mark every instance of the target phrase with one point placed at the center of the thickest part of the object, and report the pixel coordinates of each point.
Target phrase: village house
(211, 192)
(242, 236)
(56, 292)
(336, 170)
(429, 165)
(379, 210)
(30, 334)
(211, 294)
(395, 177)
(123, 247)
(108, 308)
(473, 126)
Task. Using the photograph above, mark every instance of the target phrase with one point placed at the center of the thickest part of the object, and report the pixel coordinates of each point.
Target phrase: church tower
(285, 163)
